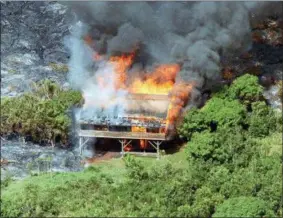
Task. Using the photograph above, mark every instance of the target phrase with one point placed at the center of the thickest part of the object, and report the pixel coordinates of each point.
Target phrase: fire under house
(144, 120)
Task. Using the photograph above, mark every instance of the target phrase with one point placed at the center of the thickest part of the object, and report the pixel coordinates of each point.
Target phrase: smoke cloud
(85, 74)
(195, 35)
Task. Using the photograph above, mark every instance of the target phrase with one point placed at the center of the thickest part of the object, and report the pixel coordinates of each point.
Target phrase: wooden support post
(152, 145)
(156, 145)
(80, 145)
(124, 144)
(122, 147)
(145, 145)
(94, 149)
(158, 149)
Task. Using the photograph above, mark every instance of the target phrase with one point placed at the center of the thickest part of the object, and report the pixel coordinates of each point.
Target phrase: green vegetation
(216, 113)
(59, 68)
(230, 167)
(12, 71)
(243, 207)
(262, 120)
(40, 114)
(280, 91)
(246, 88)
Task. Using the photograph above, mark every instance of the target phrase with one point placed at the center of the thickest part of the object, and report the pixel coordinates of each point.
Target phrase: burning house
(139, 65)
(143, 108)
(139, 122)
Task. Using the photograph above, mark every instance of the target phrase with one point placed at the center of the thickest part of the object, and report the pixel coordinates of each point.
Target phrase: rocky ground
(22, 62)
(20, 160)
(19, 70)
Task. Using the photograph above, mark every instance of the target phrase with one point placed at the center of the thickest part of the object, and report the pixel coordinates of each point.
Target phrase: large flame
(121, 63)
(143, 144)
(138, 129)
(160, 81)
(179, 98)
(88, 40)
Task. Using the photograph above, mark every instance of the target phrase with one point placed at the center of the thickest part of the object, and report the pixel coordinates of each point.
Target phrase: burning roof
(148, 105)
(114, 92)
(143, 110)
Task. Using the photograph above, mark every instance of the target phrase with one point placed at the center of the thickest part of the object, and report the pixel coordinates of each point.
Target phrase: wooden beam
(152, 154)
(156, 145)
(148, 97)
(123, 135)
(82, 143)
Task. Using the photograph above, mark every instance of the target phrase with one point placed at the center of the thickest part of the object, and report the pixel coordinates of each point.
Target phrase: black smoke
(196, 35)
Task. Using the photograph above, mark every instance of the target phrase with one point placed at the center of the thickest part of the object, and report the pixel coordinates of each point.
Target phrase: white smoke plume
(85, 74)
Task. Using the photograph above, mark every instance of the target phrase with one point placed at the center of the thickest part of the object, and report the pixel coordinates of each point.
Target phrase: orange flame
(143, 144)
(88, 40)
(97, 57)
(179, 98)
(160, 81)
(128, 148)
(138, 129)
(227, 73)
(121, 63)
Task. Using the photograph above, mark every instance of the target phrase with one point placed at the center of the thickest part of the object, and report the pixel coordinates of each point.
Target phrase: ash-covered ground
(32, 47)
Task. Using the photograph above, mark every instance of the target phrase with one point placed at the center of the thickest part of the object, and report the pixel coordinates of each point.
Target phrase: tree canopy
(243, 207)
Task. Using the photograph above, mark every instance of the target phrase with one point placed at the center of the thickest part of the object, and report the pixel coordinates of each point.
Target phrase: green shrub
(58, 67)
(224, 112)
(6, 181)
(205, 202)
(217, 112)
(246, 88)
(194, 121)
(202, 145)
(164, 191)
(226, 147)
(135, 170)
(280, 91)
(243, 207)
(223, 93)
(262, 120)
(40, 114)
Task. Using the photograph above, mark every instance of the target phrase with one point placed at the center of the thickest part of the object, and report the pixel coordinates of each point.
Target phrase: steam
(81, 56)
(195, 35)
(112, 100)
(85, 74)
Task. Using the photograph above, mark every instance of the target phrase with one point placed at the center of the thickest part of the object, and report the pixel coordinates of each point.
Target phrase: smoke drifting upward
(195, 35)
(90, 75)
